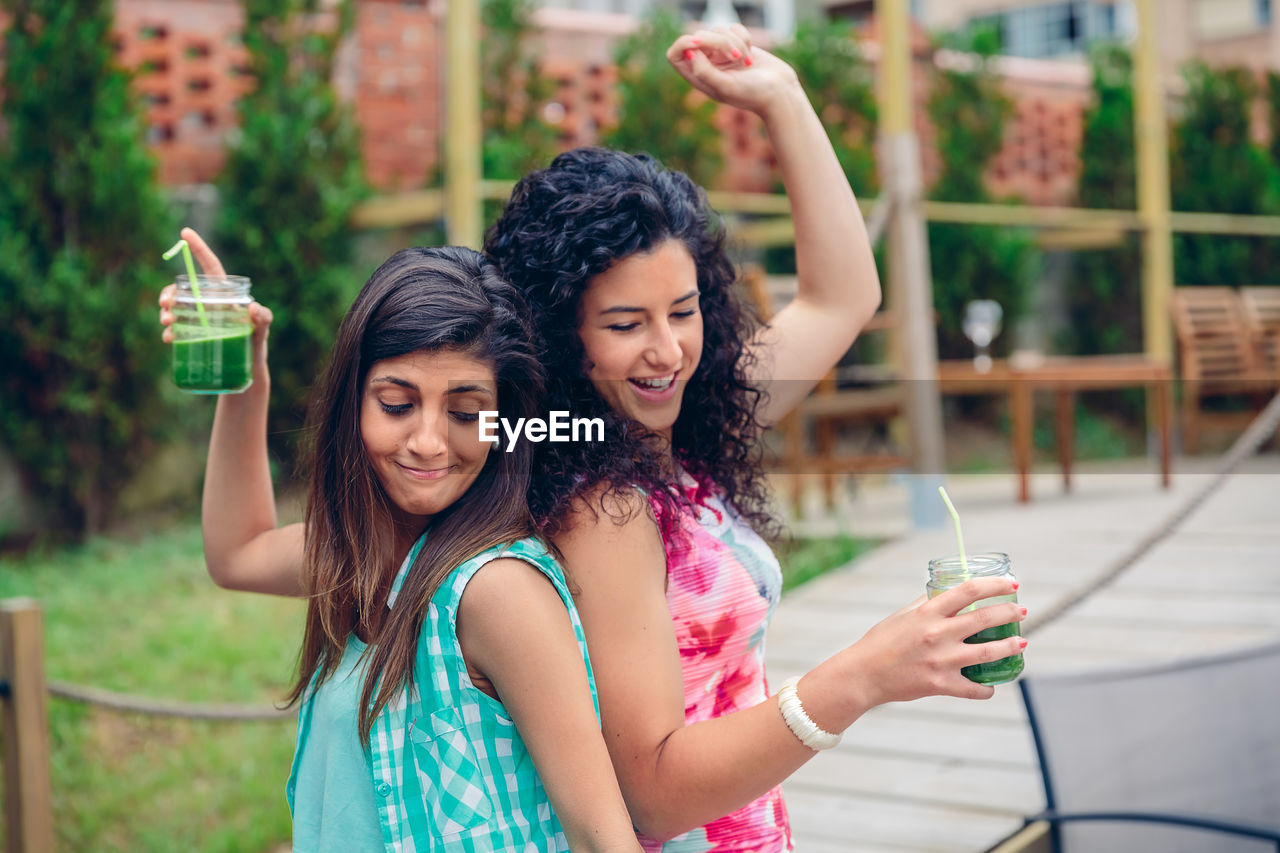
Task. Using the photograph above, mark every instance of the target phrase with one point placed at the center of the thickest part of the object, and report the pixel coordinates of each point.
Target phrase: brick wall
(191, 65)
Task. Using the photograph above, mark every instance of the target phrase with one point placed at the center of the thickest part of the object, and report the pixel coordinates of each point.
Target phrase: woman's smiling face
(419, 423)
(641, 331)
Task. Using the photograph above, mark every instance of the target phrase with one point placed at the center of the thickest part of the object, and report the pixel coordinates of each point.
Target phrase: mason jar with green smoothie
(947, 572)
(211, 334)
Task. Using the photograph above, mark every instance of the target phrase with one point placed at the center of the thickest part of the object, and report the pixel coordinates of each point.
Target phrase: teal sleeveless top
(447, 770)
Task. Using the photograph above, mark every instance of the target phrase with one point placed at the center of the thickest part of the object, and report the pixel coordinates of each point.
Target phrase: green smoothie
(213, 364)
(997, 671)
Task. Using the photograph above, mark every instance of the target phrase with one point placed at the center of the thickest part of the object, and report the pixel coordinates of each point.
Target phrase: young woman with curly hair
(624, 269)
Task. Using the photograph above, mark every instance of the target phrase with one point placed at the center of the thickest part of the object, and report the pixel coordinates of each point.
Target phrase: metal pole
(910, 283)
(463, 221)
(1151, 139)
(28, 798)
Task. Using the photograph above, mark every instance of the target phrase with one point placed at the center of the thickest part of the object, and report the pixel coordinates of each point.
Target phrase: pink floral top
(723, 583)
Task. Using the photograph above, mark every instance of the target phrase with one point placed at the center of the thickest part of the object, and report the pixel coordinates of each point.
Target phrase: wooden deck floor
(945, 774)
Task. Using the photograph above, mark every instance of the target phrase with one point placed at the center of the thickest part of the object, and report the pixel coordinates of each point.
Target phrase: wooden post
(463, 219)
(910, 282)
(28, 797)
(1151, 140)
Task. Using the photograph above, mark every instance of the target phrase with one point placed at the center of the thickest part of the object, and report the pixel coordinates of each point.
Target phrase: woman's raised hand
(724, 65)
(259, 314)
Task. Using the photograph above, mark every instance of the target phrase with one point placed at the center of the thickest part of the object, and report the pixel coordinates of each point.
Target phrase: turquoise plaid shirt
(449, 770)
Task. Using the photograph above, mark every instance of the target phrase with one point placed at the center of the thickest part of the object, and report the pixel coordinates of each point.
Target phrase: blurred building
(1235, 32)
(776, 16)
(191, 68)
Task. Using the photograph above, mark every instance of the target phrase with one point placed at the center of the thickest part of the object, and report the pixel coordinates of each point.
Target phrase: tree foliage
(1273, 114)
(1104, 291)
(1216, 166)
(839, 83)
(514, 91)
(82, 226)
(292, 179)
(969, 111)
(659, 113)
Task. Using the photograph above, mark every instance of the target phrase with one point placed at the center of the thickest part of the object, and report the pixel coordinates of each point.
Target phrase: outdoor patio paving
(946, 774)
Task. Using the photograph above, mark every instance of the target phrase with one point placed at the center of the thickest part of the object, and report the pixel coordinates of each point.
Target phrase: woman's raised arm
(839, 288)
(243, 547)
(675, 776)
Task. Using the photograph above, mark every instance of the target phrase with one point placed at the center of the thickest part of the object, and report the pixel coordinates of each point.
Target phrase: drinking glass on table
(981, 325)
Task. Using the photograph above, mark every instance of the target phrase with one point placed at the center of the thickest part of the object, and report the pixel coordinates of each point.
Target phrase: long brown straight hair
(445, 299)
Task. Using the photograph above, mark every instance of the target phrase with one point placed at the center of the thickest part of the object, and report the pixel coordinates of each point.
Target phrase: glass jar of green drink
(211, 333)
(947, 572)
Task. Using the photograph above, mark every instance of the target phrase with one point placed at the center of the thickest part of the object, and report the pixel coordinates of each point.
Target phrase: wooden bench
(831, 408)
(1219, 355)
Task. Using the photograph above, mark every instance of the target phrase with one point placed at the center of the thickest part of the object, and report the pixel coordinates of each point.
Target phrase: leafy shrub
(969, 112)
(82, 226)
(658, 112)
(839, 83)
(514, 91)
(292, 179)
(1215, 166)
(1104, 291)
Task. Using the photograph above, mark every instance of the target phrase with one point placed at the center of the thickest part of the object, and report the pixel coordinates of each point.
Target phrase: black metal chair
(1180, 756)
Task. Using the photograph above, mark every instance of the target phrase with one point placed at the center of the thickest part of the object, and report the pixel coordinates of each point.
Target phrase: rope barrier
(163, 708)
(1262, 427)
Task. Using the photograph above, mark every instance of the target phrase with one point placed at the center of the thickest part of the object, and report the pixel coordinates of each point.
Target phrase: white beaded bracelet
(799, 722)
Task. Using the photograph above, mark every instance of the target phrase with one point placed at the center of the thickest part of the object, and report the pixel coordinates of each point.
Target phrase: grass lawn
(142, 617)
(804, 559)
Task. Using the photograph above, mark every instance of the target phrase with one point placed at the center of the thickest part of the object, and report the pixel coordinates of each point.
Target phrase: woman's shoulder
(529, 549)
(605, 508)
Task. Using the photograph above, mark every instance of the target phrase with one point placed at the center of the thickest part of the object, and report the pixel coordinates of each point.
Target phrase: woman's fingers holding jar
(972, 591)
(200, 250)
(986, 618)
(261, 317)
(167, 296)
(995, 650)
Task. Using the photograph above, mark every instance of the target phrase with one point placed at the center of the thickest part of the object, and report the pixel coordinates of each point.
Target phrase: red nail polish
(1022, 642)
(746, 61)
(735, 53)
(1023, 610)
(688, 55)
(1015, 585)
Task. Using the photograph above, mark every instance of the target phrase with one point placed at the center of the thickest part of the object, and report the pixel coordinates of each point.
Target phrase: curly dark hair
(564, 225)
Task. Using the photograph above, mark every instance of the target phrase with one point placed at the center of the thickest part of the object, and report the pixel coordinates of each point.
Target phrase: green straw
(955, 517)
(191, 276)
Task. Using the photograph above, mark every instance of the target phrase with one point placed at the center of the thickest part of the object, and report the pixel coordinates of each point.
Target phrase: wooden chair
(1218, 357)
(1262, 318)
(1178, 756)
(829, 408)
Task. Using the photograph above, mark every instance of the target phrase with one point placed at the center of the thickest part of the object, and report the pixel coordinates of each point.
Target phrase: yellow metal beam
(390, 211)
(463, 220)
(1151, 139)
(915, 346)
(893, 21)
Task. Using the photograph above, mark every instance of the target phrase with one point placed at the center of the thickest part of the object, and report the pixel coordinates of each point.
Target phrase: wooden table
(1064, 376)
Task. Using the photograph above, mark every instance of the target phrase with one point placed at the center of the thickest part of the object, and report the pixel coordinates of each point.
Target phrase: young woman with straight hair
(447, 702)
